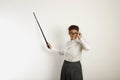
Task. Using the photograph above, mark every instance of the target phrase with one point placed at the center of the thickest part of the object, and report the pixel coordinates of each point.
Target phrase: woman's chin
(73, 38)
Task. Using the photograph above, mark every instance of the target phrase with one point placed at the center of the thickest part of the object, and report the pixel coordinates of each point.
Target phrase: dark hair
(73, 27)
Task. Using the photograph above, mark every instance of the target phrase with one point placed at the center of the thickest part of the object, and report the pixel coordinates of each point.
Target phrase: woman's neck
(73, 39)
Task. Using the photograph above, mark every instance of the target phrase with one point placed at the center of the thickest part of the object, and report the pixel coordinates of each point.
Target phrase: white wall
(23, 53)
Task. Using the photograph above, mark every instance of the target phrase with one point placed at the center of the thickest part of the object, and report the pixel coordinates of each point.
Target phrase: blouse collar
(72, 40)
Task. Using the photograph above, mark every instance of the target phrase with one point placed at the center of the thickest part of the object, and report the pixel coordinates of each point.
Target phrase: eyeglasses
(73, 33)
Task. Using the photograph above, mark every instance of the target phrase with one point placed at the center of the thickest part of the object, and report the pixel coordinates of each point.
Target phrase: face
(73, 34)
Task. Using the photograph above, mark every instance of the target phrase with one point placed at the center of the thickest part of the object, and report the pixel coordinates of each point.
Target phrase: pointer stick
(41, 30)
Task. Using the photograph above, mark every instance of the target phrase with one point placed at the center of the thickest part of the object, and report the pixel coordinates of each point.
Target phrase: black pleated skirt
(71, 71)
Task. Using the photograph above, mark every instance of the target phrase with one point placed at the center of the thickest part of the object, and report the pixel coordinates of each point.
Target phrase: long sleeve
(61, 52)
(84, 44)
(73, 49)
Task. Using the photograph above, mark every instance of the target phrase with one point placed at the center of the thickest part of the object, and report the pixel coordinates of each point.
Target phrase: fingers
(79, 35)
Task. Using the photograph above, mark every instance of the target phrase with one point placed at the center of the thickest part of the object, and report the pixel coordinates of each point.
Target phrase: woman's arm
(84, 44)
(61, 52)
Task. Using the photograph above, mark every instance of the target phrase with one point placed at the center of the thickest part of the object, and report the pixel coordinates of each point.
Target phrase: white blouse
(73, 49)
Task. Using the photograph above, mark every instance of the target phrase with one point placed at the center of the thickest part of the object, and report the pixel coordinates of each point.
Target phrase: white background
(24, 55)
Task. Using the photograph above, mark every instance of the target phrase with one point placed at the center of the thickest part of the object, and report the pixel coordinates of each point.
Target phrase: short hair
(73, 27)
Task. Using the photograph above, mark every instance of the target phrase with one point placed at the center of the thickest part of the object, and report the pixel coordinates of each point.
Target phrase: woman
(72, 68)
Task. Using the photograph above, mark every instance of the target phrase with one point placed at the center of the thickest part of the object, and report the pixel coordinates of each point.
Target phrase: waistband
(71, 62)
